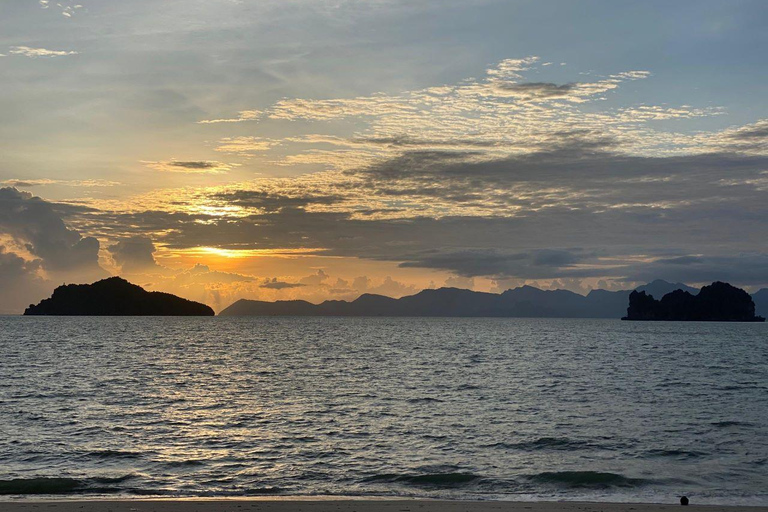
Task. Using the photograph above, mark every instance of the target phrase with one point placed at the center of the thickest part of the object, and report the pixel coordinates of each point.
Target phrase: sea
(454, 408)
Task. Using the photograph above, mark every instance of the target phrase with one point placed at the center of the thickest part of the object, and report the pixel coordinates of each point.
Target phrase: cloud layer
(526, 172)
(501, 178)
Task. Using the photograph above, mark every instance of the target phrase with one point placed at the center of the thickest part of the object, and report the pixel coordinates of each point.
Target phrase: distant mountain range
(525, 301)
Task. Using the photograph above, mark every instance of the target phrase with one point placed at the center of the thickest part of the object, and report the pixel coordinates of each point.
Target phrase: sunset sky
(316, 149)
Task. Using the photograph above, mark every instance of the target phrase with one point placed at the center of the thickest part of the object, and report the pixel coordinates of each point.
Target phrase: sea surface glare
(455, 408)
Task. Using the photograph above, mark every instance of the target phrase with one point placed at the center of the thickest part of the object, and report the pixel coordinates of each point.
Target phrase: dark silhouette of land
(760, 298)
(115, 297)
(525, 301)
(718, 302)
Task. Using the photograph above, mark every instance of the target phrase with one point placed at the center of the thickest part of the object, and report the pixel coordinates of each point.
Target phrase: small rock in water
(684, 500)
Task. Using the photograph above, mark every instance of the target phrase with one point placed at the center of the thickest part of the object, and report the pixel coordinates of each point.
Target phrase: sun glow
(244, 253)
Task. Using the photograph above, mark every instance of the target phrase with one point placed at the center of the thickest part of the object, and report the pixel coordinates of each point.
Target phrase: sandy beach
(349, 505)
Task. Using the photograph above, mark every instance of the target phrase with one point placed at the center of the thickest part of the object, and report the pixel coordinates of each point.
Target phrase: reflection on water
(458, 408)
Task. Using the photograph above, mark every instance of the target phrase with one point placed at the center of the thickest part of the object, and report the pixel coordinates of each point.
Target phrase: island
(718, 302)
(115, 297)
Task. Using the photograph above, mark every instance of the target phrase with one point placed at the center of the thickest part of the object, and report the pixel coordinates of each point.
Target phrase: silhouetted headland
(718, 302)
(524, 301)
(115, 297)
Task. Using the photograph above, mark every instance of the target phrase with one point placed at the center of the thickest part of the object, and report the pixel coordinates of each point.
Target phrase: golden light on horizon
(230, 260)
(246, 253)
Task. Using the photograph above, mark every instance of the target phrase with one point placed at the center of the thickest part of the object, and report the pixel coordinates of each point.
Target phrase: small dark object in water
(684, 500)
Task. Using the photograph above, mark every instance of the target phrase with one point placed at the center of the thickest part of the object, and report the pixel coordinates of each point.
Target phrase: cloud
(325, 110)
(536, 90)
(274, 284)
(510, 69)
(36, 225)
(315, 279)
(190, 167)
(521, 216)
(20, 282)
(38, 251)
(244, 146)
(750, 138)
(272, 200)
(537, 264)
(388, 287)
(751, 132)
(739, 269)
(13, 267)
(495, 117)
(202, 274)
(460, 178)
(467, 283)
(577, 92)
(27, 51)
(68, 9)
(134, 254)
(22, 183)
(242, 116)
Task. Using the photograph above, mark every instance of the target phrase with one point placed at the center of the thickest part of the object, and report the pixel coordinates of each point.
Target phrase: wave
(61, 485)
(113, 454)
(263, 490)
(239, 493)
(422, 400)
(547, 443)
(39, 486)
(427, 479)
(184, 463)
(673, 453)
(589, 479)
(726, 424)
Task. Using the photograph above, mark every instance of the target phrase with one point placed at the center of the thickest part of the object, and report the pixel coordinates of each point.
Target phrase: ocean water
(509, 409)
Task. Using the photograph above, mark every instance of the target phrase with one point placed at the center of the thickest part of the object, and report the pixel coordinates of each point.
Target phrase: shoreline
(343, 504)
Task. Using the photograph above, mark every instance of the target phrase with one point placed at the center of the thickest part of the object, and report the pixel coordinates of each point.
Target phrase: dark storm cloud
(13, 268)
(36, 224)
(34, 228)
(19, 282)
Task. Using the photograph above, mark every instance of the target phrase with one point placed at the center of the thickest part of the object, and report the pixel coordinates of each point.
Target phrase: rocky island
(115, 297)
(718, 302)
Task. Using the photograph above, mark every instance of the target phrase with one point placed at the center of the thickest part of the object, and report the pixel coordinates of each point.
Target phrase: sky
(321, 149)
